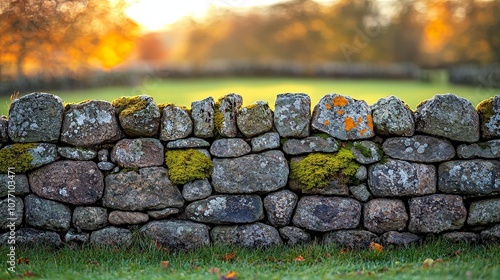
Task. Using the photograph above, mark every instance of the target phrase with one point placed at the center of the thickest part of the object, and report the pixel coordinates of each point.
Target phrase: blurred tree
(151, 49)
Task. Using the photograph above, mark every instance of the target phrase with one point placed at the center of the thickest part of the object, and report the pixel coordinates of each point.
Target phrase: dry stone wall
(344, 173)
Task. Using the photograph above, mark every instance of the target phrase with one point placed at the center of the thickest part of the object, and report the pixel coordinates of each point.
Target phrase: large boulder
(343, 117)
(226, 110)
(90, 123)
(419, 148)
(280, 206)
(251, 235)
(73, 182)
(46, 214)
(469, 177)
(202, 113)
(178, 234)
(382, 215)
(489, 114)
(263, 172)
(292, 114)
(391, 116)
(436, 213)
(175, 123)
(36, 117)
(255, 119)
(139, 116)
(449, 116)
(224, 209)
(23, 157)
(147, 188)
(138, 153)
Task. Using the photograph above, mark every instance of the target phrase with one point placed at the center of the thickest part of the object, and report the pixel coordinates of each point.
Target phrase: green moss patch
(128, 105)
(317, 169)
(17, 156)
(366, 152)
(187, 165)
(218, 117)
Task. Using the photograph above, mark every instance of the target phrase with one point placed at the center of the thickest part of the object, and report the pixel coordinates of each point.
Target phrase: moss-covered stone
(17, 156)
(127, 105)
(366, 152)
(218, 118)
(485, 109)
(317, 169)
(187, 165)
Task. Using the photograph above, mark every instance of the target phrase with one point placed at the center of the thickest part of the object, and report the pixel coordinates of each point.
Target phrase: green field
(184, 91)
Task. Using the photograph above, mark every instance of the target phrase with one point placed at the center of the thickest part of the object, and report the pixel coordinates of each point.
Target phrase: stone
(366, 152)
(449, 116)
(138, 153)
(320, 213)
(484, 212)
(202, 113)
(187, 143)
(175, 123)
(292, 114)
(226, 209)
(74, 239)
(90, 123)
(469, 177)
(230, 147)
(73, 182)
(4, 134)
(343, 117)
(491, 235)
(254, 235)
(76, 153)
(436, 213)
(350, 239)
(36, 117)
(419, 148)
(28, 237)
(361, 173)
(117, 218)
(382, 215)
(309, 145)
(178, 234)
(12, 210)
(196, 190)
(146, 189)
(255, 119)
(401, 178)
(105, 166)
(46, 214)
(19, 185)
(103, 155)
(266, 141)
(395, 238)
(24, 157)
(489, 114)
(461, 237)
(90, 218)
(294, 235)
(163, 213)
(111, 236)
(391, 116)
(226, 110)
(139, 116)
(264, 172)
(279, 207)
(489, 149)
(360, 192)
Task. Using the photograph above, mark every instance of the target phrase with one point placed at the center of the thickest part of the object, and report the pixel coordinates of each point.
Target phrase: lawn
(434, 260)
(184, 91)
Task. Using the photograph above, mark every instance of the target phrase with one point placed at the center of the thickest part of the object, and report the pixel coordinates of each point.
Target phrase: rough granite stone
(266, 141)
(202, 113)
(146, 189)
(178, 234)
(73, 239)
(360, 192)
(252, 235)
(361, 173)
(449, 116)
(226, 209)
(350, 239)
(490, 117)
(489, 149)
(163, 213)
(230, 147)
(41, 154)
(395, 238)
(105, 166)
(294, 235)
(436, 213)
(461, 237)
(76, 153)
(46, 214)
(138, 153)
(111, 236)
(292, 114)
(255, 119)
(469, 177)
(103, 155)
(382, 215)
(196, 190)
(484, 212)
(279, 207)
(36, 117)
(366, 152)
(419, 148)
(4, 134)
(19, 187)
(27, 237)
(90, 218)
(401, 178)
(309, 145)
(140, 122)
(491, 235)
(175, 123)
(226, 110)
(320, 213)
(73, 182)
(391, 116)
(188, 143)
(127, 218)
(343, 117)
(264, 172)
(12, 210)
(90, 123)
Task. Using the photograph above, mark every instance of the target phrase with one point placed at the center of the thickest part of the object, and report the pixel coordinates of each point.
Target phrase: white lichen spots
(63, 192)
(455, 171)
(103, 117)
(409, 150)
(217, 204)
(263, 164)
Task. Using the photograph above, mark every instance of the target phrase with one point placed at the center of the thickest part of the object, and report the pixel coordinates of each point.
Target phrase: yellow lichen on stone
(317, 169)
(340, 101)
(187, 165)
(17, 156)
(127, 105)
(485, 109)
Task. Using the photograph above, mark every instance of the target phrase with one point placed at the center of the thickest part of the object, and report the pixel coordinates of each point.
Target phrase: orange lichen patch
(341, 112)
(349, 123)
(328, 106)
(340, 101)
(326, 122)
(363, 131)
(370, 122)
(360, 120)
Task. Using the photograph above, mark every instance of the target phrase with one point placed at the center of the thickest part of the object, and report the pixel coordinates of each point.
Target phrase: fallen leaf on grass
(427, 263)
(376, 247)
(300, 258)
(343, 251)
(28, 274)
(23, 260)
(160, 247)
(214, 270)
(165, 264)
(92, 262)
(229, 257)
(230, 276)
(456, 253)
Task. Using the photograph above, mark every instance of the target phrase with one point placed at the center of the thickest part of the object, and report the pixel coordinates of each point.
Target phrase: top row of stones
(42, 117)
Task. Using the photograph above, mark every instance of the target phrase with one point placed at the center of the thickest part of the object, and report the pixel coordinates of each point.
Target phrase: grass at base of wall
(312, 261)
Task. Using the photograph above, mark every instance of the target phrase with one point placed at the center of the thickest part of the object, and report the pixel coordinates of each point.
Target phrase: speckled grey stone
(19, 186)
(127, 218)
(419, 148)
(375, 152)
(255, 119)
(484, 212)
(90, 217)
(309, 145)
(144, 122)
(73, 238)
(196, 190)
(163, 213)
(12, 209)
(187, 143)
(252, 235)
(175, 123)
(461, 237)
(381, 215)
(280, 206)
(46, 214)
(138, 153)
(294, 235)
(178, 234)
(469, 177)
(27, 237)
(76, 153)
(436, 213)
(105, 166)
(202, 113)
(360, 192)
(395, 238)
(490, 120)
(391, 116)
(491, 235)
(229, 147)
(292, 114)
(228, 107)
(350, 239)
(226, 209)
(266, 141)
(489, 149)
(111, 236)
